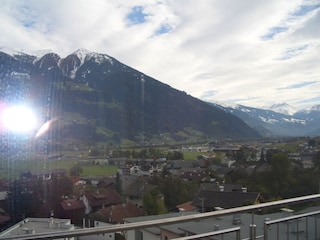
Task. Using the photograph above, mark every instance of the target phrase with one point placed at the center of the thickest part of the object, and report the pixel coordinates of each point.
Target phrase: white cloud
(228, 48)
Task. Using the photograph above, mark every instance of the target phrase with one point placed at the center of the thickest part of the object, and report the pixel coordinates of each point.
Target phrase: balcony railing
(215, 214)
(297, 224)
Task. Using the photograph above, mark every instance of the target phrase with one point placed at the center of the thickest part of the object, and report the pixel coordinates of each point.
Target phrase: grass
(290, 147)
(191, 155)
(99, 170)
(13, 169)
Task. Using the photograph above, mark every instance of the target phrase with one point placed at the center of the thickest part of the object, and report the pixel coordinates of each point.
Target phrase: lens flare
(18, 119)
(44, 128)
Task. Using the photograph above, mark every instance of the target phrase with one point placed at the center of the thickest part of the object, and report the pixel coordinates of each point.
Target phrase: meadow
(12, 168)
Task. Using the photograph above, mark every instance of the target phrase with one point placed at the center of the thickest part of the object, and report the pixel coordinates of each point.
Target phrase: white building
(30, 226)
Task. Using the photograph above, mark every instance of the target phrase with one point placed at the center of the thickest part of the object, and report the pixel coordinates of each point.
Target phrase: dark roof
(216, 187)
(105, 182)
(117, 213)
(178, 164)
(223, 171)
(212, 199)
(195, 175)
(138, 188)
(104, 197)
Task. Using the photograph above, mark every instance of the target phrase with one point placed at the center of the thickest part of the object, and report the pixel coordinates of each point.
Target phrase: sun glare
(18, 119)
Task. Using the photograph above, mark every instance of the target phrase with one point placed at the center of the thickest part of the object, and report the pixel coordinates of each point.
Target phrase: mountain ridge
(277, 123)
(101, 99)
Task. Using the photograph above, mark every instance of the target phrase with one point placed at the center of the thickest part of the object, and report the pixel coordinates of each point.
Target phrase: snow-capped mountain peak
(277, 122)
(315, 108)
(84, 54)
(36, 53)
(283, 108)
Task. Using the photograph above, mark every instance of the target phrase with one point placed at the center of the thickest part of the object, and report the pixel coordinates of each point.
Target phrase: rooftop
(38, 225)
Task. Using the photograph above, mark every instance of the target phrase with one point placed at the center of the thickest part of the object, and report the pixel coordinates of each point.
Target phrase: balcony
(248, 223)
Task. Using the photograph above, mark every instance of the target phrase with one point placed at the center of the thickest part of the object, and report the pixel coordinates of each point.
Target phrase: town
(153, 182)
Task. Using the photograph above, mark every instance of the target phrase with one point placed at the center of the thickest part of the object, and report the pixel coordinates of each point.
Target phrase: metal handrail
(214, 233)
(268, 223)
(166, 221)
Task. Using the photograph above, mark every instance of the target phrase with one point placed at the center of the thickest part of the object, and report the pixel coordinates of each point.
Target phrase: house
(219, 187)
(101, 236)
(116, 214)
(73, 209)
(30, 226)
(222, 172)
(150, 233)
(186, 207)
(3, 198)
(196, 175)
(307, 163)
(135, 188)
(59, 172)
(94, 200)
(211, 200)
(243, 220)
(106, 183)
(182, 164)
(204, 161)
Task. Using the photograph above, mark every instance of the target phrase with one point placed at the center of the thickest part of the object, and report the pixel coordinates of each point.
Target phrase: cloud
(301, 85)
(246, 51)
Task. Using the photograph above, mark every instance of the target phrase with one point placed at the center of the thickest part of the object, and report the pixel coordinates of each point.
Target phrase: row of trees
(170, 192)
(147, 153)
(280, 179)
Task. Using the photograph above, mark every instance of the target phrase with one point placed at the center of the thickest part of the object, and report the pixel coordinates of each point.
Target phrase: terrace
(248, 223)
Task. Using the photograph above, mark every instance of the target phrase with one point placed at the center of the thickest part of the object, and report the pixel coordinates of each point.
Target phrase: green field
(13, 168)
(191, 155)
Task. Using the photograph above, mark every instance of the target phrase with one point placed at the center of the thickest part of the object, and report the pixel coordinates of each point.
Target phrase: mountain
(278, 122)
(95, 98)
(283, 108)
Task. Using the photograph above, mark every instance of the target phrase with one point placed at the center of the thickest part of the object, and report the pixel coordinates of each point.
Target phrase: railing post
(265, 231)
(297, 229)
(307, 228)
(315, 226)
(238, 234)
(252, 231)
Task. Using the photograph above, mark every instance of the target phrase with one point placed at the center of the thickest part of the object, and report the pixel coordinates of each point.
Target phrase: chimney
(244, 189)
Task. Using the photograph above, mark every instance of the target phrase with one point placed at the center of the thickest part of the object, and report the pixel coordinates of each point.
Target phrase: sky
(249, 52)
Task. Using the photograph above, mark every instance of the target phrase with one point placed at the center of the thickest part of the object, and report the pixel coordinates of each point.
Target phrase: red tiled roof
(75, 179)
(116, 213)
(105, 197)
(186, 206)
(72, 204)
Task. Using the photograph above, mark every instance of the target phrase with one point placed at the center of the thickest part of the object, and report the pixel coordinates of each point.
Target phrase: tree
(175, 190)
(153, 202)
(94, 152)
(316, 160)
(280, 167)
(312, 143)
(19, 199)
(62, 186)
(118, 184)
(175, 155)
(76, 171)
